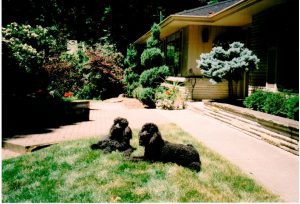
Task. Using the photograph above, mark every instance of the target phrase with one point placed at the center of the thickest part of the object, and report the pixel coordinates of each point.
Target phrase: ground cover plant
(72, 172)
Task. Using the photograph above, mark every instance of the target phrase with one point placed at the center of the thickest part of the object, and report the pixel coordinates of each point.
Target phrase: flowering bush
(170, 99)
(25, 50)
(29, 46)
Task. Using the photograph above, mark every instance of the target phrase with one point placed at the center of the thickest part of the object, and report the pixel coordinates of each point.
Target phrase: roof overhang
(239, 14)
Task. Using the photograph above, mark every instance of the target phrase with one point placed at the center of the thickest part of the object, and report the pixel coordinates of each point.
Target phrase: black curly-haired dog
(156, 149)
(118, 138)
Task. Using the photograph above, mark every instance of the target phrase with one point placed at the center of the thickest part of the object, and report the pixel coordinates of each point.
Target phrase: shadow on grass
(27, 115)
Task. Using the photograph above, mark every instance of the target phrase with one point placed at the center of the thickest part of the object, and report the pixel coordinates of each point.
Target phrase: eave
(239, 14)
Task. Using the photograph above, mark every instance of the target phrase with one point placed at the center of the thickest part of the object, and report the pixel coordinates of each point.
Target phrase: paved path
(274, 168)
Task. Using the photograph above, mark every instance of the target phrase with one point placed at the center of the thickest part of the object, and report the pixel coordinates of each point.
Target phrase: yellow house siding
(204, 89)
(196, 46)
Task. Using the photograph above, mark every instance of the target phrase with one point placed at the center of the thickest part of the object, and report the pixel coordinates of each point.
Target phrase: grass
(72, 172)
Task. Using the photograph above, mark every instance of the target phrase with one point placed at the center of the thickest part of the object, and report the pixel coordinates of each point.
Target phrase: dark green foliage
(131, 81)
(281, 104)
(89, 20)
(88, 74)
(131, 60)
(152, 57)
(274, 104)
(292, 107)
(256, 100)
(154, 77)
(142, 83)
(154, 40)
(146, 95)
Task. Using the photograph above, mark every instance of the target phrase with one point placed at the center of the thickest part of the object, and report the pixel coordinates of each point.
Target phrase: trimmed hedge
(280, 104)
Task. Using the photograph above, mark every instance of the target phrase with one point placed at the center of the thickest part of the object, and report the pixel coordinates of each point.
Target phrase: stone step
(249, 127)
(22, 149)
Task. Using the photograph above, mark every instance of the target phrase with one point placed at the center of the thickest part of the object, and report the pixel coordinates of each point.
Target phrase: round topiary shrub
(154, 77)
(152, 57)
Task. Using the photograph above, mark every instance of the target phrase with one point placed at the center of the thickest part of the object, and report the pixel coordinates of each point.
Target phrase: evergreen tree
(228, 64)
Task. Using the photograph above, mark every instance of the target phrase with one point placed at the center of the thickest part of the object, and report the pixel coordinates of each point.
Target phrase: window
(173, 50)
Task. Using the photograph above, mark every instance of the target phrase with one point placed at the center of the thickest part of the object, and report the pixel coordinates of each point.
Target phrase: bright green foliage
(227, 64)
(154, 77)
(281, 104)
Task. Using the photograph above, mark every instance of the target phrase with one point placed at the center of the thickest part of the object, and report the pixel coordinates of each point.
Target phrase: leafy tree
(227, 64)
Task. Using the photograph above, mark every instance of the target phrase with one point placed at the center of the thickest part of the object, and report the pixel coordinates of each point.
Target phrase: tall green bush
(143, 83)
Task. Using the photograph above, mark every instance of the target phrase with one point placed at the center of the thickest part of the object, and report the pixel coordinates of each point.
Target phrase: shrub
(90, 73)
(256, 100)
(292, 107)
(169, 99)
(154, 40)
(154, 77)
(131, 81)
(281, 104)
(131, 59)
(25, 50)
(146, 95)
(274, 104)
(152, 57)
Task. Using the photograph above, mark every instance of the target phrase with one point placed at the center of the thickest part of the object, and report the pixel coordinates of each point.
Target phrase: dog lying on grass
(118, 138)
(157, 149)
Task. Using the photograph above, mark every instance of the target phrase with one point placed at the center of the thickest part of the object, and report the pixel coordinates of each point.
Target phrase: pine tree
(228, 64)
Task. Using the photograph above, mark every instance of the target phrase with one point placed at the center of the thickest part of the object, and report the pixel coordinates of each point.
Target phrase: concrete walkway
(272, 167)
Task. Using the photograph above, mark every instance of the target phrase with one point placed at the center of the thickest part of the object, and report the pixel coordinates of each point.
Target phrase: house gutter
(201, 20)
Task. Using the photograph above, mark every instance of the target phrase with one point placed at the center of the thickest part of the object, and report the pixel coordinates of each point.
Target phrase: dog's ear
(156, 139)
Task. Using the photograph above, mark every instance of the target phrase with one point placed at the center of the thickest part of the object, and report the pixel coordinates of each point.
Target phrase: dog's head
(120, 122)
(118, 128)
(150, 135)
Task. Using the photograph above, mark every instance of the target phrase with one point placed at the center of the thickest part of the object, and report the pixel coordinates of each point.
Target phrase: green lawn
(72, 172)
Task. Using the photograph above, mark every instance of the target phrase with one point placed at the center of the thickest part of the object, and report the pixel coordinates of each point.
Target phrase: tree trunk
(230, 89)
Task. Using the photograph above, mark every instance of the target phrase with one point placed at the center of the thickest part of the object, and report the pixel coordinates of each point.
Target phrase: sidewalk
(272, 167)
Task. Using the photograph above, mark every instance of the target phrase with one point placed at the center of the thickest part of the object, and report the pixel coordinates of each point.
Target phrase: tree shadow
(26, 115)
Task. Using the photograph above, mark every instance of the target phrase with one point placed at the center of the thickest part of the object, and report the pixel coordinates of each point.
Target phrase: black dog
(156, 149)
(118, 138)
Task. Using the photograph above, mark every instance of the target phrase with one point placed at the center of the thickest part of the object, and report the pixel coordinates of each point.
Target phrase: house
(267, 27)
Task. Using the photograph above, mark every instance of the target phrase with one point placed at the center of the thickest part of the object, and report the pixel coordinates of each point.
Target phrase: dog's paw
(94, 146)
